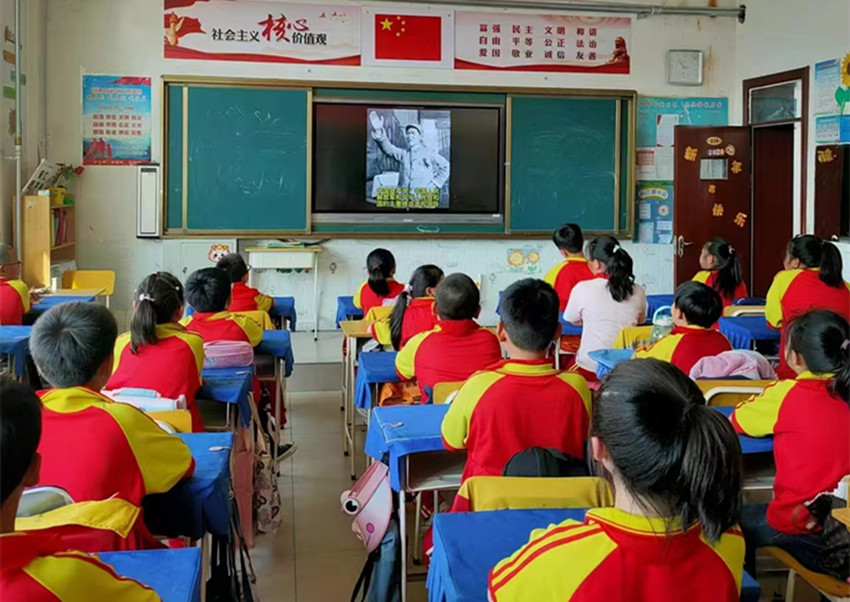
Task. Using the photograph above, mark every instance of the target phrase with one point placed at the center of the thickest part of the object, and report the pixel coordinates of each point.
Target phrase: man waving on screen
(420, 167)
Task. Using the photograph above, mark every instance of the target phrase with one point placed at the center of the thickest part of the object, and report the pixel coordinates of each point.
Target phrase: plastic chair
(733, 311)
(39, 500)
(633, 337)
(442, 392)
(828, 586)
(502, 493)
(750, 301)
(179, 421)
(104, 279)
(730, 392)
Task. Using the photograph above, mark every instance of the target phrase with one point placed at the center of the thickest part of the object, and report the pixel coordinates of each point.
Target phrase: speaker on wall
(148, 206)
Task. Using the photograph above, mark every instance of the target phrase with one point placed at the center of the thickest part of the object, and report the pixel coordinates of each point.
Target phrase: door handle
(681, 243)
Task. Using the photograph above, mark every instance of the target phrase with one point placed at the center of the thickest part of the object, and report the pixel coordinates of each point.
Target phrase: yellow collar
(809, 375)
(633, 522)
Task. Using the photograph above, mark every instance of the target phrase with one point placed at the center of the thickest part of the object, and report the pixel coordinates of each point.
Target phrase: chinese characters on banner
(523, 42)
(116, 120)
(270, 32)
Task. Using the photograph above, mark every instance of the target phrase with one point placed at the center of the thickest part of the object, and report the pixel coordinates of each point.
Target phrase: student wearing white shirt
(607, 304)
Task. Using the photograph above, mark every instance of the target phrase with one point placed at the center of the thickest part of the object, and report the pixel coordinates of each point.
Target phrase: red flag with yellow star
(408, 37)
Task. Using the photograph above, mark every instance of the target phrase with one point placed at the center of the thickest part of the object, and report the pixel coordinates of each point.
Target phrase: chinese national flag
(408, 37)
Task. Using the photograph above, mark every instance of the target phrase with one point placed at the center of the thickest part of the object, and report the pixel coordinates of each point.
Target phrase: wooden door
(711, 193)
(773, 202)
(832, 191)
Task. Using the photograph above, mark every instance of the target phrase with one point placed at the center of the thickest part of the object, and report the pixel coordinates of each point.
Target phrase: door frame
(801, 127)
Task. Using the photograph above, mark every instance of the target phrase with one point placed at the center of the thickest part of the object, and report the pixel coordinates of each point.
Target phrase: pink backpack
(228, 354)
(370, 504)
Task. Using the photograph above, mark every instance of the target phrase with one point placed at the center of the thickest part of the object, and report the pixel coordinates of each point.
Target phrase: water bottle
(662, 324)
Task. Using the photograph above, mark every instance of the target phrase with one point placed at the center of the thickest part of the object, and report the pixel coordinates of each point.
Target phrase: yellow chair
(180, 420)
(443, 390)
(633, 337)
(730, 392)
(102, 279)
(828, 586)
(743, 310)
(503, 493)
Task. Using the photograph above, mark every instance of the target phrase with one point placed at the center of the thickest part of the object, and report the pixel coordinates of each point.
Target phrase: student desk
(468, 545)
(654, 302)
(744, 331)
(356, 333)
(201, 503)
(607, 359)
(14, 342)
(373, 369)
(278, 344)
(230, 386)
(346, 310)
(175, 575)
(284, 308)
(569, 329)
(49, 300)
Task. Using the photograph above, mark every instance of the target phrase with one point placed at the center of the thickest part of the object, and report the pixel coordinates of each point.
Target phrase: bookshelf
(49, 238)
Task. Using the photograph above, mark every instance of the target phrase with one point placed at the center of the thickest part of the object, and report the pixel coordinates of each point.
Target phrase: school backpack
(228, 354)
(545, 462)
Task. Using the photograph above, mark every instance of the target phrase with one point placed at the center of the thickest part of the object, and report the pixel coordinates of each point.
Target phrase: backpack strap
(365, 577)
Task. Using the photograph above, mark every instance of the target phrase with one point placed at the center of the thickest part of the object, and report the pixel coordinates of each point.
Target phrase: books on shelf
(60, 228)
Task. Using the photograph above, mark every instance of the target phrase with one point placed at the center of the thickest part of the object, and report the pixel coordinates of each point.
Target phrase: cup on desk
(55, 285)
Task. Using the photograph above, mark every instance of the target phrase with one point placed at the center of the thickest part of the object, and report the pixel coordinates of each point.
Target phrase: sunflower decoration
(516, 259)
(533, 257)
(845, 70)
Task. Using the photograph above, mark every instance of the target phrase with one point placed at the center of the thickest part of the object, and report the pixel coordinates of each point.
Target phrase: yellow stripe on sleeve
(264, 302)
(23, 291)
(777, 290)
(358, 303)
(757, 417)
(552, 275)
(730, 548)
(196, 344)
(120, 343)
(661, 350)
(405, 361)
(114, 514)
(455, 428)
(577, 382)
(702, 276)
(253, 330)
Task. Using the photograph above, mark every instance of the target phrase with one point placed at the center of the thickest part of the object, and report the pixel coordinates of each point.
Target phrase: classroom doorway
(711, 193)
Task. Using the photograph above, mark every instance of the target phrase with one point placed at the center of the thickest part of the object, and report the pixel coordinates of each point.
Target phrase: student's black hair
(20, 433)
(700, 303)
(71, 341)
(208, 290)
(457, 298)
(822, 338)
(157, 298)
(423, 278)
(675, 455)
(569, 238)
(529, 312)
(814, 252)
(729, 270)
(380, 264)
(235, 266)
(618, 266)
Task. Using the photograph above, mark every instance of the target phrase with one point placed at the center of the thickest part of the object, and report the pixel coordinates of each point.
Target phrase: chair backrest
(501, 493)
(379, 313)
(179, 421)
(633, 337)
(442, 391)
(730, 392)
(104, 279)
(39, 500)
(734, 311)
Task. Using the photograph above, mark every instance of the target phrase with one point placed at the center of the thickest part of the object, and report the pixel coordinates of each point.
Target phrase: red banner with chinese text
(528, 42)
(272, 32)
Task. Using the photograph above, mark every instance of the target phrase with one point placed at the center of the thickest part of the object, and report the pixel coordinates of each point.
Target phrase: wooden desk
(75, 292)
(842, 515)
(743, 310)
(356, 333)
(289, 258)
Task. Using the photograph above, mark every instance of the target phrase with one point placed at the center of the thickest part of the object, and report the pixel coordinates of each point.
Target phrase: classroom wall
(124, 37)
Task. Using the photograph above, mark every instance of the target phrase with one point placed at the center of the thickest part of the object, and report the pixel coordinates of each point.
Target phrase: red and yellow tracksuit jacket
(685, 346)
(14, 302)
(453, 351)
(514, 405)
(245, 298)
(224, 326)
(619, 557)
(95, 448)
(172, 366)
(811, 447)
(365, 298)
(419, 317)
(795, 292)
(564, 276)
(708, 277)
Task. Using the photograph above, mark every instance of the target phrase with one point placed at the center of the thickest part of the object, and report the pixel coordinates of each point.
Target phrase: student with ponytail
(810, 422)
(721, 270)
(606, 304)
(811, 280)
(675, 467)
(381, 286)
(158, 353)
(414, 307)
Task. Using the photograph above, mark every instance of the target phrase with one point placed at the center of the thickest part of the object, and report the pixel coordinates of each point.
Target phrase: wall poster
(116, 120)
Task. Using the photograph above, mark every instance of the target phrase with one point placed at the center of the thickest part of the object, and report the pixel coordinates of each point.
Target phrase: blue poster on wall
(655, 213)
(687, 111)
(116, 120)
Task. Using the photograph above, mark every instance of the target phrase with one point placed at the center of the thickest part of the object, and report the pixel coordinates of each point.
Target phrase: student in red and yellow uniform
(16, 299)
(695, 308)
(811, 280)
(381, 286)
(158, 353)
(242, 296)
(457, 347)
(414, 311)
(564, 276)
(524, 401)
(721, 270)
(92, 447)
(672, 532)
(810, 422)
(37, 567)
(208, 292)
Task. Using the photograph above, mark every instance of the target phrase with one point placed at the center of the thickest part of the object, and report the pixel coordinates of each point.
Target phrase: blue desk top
(48, 301)
(376, 367)
(279, 344)
(229, 385)
(175, 575)
(14, 341)
(284, 307)
(345, 309)
(568, 329)
(468, 545)
(743, 331)
(606, 359)
(201, 503)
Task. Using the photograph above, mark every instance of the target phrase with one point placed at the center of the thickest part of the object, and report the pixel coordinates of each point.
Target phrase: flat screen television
(375, 162)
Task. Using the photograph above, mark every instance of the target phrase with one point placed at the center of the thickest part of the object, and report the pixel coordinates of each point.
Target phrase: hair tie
(616, 249)
(845, 345)
(731, 249)
(407, 289)
(146, 297)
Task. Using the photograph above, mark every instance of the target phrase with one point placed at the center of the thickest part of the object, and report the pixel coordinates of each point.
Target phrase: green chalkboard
(564, 163)
(246, 159)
